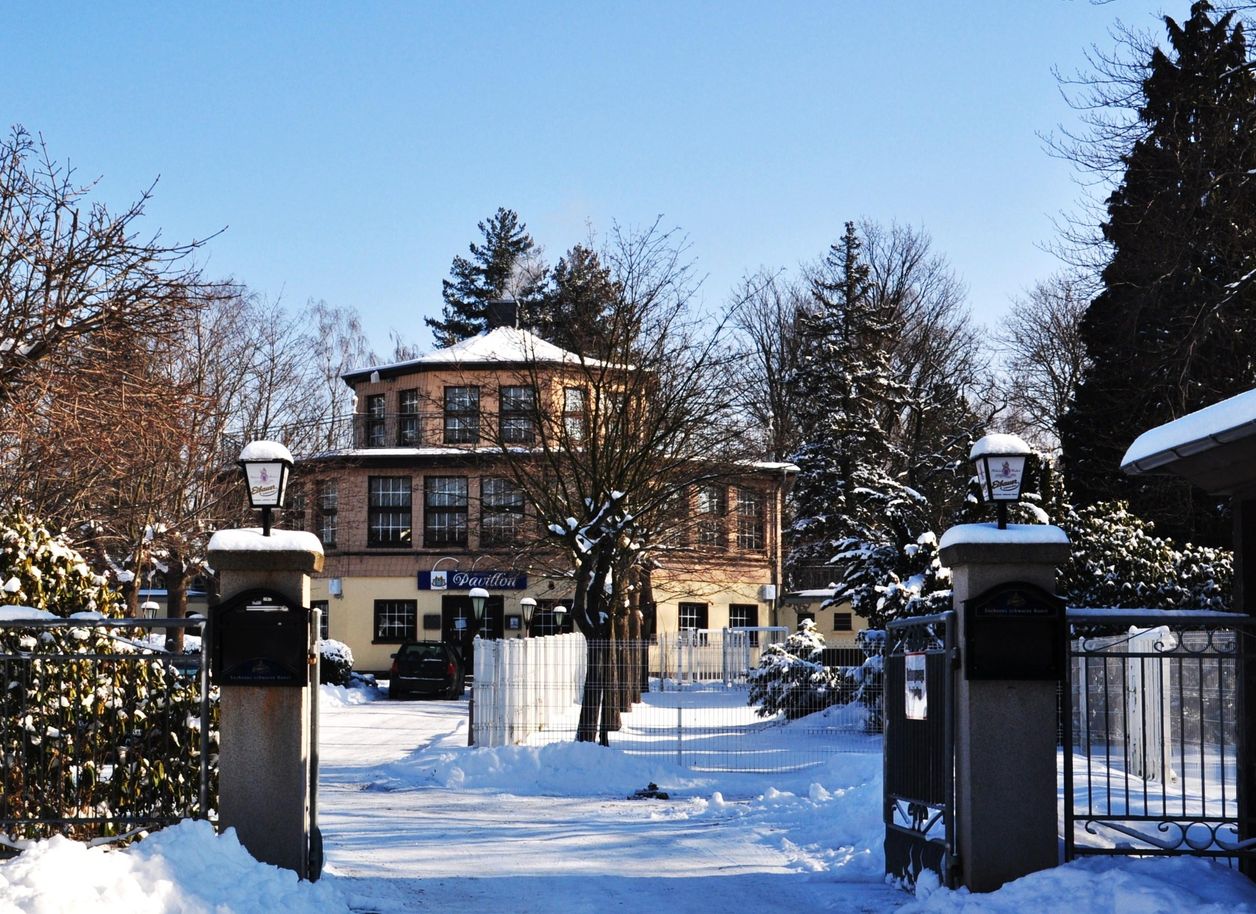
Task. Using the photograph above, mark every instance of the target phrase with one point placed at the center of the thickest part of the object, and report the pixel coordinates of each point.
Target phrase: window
(750, 520)
(324, 622)
(544, 621)
(518, 412)
(325, 512)
(408, 420)
(712, 516)
(445, 511)
(375, 420)
(394, 620)
(843, 622)
(692, 615)
(294, 511)
(743, 615)
(574, 413)
(501, 511)
(388, 520)
(462, 415)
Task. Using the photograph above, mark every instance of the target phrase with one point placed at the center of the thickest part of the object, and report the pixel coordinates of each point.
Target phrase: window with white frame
(713, 516)
(517, 415)
(376, 419)
(325, 509)
(395, 620)
(501, 512)
(691, 616)
(445, 511)
(574, 422)
(408, 418)
(750, 520)
(462, 415)
(389, 519)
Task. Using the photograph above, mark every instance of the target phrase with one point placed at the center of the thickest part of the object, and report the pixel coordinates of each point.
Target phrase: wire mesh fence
(1152, 736)
(682, 697)
(103, 730)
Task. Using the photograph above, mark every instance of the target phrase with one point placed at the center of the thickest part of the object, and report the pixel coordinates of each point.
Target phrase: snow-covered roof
(1195, 435)
(502, 345)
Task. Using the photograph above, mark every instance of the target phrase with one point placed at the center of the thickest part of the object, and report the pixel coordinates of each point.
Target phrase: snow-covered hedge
(335, 663)
(1118, 561)
(90, 727)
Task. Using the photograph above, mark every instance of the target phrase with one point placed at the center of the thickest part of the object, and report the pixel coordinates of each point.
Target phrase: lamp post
(1000, 462)
(559, 612)
(266, 465)
(479, 596)
(528, 606)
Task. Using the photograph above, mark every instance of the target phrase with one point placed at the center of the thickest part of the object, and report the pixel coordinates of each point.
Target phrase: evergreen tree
(579, 304)
(506, 265)
(1173, 327)
(846, 397)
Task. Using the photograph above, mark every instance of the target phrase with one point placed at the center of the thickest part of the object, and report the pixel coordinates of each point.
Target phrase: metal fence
(690, 703)
(1151, 764)
(103, 731)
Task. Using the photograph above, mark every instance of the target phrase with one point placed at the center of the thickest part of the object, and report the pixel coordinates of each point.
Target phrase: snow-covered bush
(791, 678)
(335, 663)
(863, 683)
(886, 581)
(1117, 560)
(91, 725)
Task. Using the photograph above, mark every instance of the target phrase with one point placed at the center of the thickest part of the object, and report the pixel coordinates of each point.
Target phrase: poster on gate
(917, 698)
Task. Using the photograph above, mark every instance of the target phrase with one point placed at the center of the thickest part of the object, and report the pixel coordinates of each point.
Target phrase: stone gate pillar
(265, 745)
(1006, 729)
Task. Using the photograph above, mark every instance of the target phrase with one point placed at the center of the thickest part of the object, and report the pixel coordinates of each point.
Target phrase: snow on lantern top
(1000, 461)
(266, 465)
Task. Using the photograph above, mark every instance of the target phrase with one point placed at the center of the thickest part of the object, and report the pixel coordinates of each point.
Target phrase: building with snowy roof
(421, 505)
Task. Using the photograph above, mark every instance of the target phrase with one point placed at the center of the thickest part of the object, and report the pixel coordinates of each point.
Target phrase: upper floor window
(376, 412)
(574, 413)
(712, 516)
(750, 520)
(408, 418)
(388, 514)
(325, 508)
(501, 511)
(462, 415)
(445, 511)
(518, 415)
(294, 510)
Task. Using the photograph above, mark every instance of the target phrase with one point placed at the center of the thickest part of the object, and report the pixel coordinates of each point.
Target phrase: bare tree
(765, 317)
(70, 268)
(612, 467)
(1043, 355)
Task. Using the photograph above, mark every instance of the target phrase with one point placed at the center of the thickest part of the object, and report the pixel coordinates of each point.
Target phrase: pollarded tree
(1171, 329)
(505, 265)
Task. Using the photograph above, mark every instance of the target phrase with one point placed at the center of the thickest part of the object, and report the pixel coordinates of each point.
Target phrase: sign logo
(439, 581)
(917, 696)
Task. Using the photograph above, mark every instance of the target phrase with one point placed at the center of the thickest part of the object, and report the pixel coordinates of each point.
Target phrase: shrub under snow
(335, 663)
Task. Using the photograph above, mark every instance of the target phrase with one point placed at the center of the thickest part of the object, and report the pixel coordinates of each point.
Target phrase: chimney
(502, 312)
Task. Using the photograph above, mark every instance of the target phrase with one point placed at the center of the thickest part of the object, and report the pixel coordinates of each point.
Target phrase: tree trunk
(176, 598)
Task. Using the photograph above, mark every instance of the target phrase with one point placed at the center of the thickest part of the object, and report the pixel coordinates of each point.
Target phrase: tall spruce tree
(845, 396)
(1174, 326)
(504, 266)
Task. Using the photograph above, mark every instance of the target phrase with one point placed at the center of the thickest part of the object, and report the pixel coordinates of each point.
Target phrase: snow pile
(185, 869)
(337, 696)
(1166, 885)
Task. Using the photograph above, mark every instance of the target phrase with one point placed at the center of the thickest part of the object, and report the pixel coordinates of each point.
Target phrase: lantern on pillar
(1000, 462)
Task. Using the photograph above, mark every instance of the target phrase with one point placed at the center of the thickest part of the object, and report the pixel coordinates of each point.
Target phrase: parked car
(430, 669)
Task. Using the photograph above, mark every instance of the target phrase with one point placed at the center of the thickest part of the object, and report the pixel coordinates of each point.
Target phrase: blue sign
(465, 580)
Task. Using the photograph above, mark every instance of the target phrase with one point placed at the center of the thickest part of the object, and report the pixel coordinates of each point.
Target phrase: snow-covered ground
(414, 821)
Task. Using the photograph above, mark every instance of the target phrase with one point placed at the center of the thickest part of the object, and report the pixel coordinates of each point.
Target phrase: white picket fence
(524, 686)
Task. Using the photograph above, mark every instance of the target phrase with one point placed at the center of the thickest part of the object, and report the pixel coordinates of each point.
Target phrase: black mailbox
(1014, 631)
(260, 638)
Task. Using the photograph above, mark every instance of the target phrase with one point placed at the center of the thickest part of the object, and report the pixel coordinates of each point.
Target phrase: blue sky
(349, 149)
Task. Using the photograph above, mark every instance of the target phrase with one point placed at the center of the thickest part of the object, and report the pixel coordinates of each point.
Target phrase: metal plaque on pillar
(1014, 631)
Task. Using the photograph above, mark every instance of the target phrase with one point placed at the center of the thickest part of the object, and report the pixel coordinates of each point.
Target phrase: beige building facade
(423, 507)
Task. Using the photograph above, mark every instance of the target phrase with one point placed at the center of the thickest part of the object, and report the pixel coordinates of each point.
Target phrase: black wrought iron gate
(919, 803)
